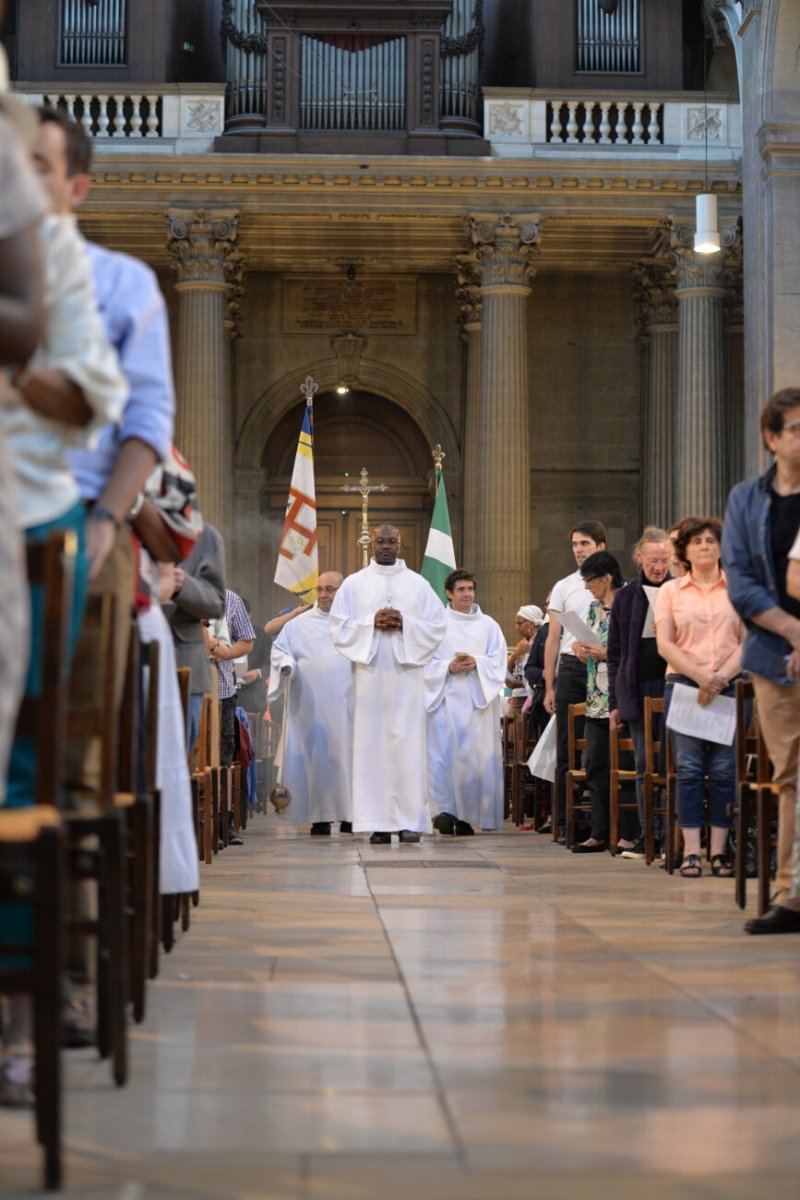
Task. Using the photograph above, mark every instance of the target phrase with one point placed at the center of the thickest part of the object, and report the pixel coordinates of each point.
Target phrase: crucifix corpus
(364, 488)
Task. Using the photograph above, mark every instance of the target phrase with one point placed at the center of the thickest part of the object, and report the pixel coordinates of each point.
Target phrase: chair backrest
(746, 730)
(130, 716)
(151, 658)
(96, 715)
(617, 745)
(653, 707)
(42, 717)
(204, 758)
(184, 686)
(576, 745)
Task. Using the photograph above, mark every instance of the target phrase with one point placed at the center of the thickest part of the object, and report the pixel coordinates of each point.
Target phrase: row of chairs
(110, 844)
(756, 794)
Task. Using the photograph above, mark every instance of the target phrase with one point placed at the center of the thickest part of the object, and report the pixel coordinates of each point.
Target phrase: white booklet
(576, 626)
(714, 723)
(650, 620)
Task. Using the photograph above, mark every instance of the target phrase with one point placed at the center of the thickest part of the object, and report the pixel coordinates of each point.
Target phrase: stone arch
(393, 384)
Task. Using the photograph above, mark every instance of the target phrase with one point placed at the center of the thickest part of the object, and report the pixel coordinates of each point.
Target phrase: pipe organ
(347, 86)
(609, 41)
(93, 34)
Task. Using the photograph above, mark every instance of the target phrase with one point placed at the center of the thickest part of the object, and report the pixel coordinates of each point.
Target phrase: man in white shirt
(564, 673)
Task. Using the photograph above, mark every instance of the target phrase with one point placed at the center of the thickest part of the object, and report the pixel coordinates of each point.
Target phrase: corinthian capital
(505, 246)
(655, 291)
(693, 270)
(201, 243)
(468, 288)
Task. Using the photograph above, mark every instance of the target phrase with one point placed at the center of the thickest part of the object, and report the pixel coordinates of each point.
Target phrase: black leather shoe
(409, 836)
(345, 826)
(464, 829)
(582, 848)
(777, 920)
(445, 824)
(380, 839)
(321, 829)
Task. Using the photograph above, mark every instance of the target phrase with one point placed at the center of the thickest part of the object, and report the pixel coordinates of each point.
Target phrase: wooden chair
(525, 793)
(41, 718)
(33, 894)
(746, 785)
(507, 731)
(576, 775)
(33, 867)
(766, 814)
(96, 839)
(619, 778)
(151, 659)
(134, 799)
(202, 790)
(655, 780)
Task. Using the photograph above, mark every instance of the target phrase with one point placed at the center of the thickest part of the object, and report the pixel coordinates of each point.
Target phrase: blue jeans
(694, 759)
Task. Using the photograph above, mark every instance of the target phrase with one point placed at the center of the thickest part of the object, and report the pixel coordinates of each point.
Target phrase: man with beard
(388, 621)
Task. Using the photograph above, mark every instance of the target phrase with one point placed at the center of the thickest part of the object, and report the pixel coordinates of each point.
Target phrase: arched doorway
(351, 431)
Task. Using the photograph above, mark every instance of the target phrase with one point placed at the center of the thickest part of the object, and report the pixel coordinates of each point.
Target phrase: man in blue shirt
(761, 524)
(113, 472)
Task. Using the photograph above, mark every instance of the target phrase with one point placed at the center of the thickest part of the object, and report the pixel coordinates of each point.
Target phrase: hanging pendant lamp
(706, 236)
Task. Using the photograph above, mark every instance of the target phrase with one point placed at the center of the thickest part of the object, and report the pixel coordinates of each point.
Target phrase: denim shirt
(750, 572)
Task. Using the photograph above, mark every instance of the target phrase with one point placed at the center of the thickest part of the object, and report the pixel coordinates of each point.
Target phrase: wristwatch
(99, 512)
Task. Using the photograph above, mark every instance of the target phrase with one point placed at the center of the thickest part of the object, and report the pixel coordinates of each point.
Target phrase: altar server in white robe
(387, 620)
(463, 682)
(318, 751)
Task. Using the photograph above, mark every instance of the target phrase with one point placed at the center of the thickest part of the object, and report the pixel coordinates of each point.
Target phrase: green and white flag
(440, 557)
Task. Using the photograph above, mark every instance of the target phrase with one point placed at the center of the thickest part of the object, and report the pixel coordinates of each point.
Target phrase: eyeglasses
(793, 429)
(655, 562)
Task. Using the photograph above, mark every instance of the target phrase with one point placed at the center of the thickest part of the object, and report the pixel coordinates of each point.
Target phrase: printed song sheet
(577, 627)
(649, 621)
(714, 723)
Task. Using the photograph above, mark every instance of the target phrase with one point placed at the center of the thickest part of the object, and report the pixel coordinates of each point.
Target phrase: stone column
(505, 247)
(659, 309)
(739, 432)
(202, 244)
(469, 299)
(700, 427)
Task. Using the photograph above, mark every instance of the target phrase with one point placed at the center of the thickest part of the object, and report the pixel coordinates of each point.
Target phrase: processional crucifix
(364, 488)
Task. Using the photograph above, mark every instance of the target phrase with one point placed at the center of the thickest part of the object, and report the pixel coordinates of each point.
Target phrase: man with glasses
(318, 745)
(761, 524)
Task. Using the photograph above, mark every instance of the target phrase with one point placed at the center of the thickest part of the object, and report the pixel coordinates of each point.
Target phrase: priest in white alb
(463, 683)
(387, 620)
(318, 745)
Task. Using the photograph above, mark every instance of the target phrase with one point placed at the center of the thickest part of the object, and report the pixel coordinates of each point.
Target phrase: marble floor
(479, 1019)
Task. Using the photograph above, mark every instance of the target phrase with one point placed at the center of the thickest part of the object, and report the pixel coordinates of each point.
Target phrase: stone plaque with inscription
(321, 304)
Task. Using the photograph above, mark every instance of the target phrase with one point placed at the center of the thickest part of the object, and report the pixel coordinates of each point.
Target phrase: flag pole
(297, 566)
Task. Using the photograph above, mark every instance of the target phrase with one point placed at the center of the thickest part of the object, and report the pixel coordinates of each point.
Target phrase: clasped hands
(710, 685)
(388, 620)
(461, 664)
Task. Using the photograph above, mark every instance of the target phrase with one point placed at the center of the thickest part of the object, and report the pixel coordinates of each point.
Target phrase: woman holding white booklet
(700, 636)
